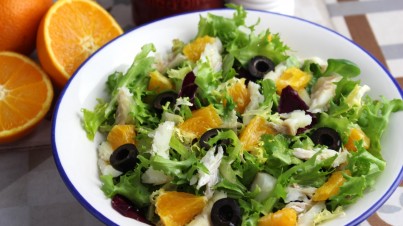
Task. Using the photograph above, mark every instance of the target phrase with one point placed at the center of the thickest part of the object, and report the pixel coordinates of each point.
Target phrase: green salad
(233, 128)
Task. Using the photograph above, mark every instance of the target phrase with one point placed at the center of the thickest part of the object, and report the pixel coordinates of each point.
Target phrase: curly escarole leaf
(129, 186)
(365, 168)
(242, 45)
(142, 64)
(374, 119)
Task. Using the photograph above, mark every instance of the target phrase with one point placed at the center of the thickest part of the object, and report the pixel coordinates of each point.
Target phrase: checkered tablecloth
(376, 26)
(32, 192)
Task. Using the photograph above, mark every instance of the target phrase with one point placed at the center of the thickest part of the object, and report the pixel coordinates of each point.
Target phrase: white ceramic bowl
(76, 156)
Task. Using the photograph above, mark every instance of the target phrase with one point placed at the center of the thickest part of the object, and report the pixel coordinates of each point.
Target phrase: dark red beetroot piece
(127, 209)
(189, 87)
(290, 101)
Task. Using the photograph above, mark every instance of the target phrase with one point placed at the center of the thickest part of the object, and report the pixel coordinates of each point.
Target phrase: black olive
(163, 98)
(328, 137)
(210, 134)
(124, 158)
(258, 66)
(226, 212)
(206, 137)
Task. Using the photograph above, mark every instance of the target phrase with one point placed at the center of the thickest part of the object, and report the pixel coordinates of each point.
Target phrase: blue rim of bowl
(107, 221)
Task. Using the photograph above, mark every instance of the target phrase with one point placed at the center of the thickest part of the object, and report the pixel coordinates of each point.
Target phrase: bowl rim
(371, 210)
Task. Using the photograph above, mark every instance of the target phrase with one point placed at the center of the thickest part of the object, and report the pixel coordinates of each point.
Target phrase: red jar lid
(148, 10)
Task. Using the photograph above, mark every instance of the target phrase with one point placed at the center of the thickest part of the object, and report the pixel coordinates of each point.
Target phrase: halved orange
(69, 33)
(26, 94)
(178, 208)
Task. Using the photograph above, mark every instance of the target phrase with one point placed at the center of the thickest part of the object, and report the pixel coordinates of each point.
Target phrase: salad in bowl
(233, 127)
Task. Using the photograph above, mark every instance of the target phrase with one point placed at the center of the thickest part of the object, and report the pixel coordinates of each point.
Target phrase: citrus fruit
(19, 24)
(69, 33)
(283, 217)
(331, 187)
(178, 208)
(158, 82)
(239, 94)
(26, 94)
(120, 135)
(250, 135)
(294, 77)
(356, 134)
(201, 120)
(194, 50)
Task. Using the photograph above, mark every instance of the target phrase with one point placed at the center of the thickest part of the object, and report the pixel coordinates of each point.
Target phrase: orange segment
(194, 50)
(250, 135)
(120, 135)
(356, 134)
(201, 120)
(70, 32)
(158, 82)
(283, 217)
(178, 208)
(331, 186)
(293, 77)
(240, 94)
(26, 94)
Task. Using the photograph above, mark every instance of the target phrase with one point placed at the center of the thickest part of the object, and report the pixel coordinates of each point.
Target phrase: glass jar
(148, 10)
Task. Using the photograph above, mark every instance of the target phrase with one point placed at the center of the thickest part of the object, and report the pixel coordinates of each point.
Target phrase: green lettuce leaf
(240, 44)
(135, 80)
(374, 119)
(305, 170)
(271, 98)
(342, 67)
(264, 44)
(129, 186)
(351, 190)
(364, 168)
(226, 29)
(363, 163)
(207, 81)
(181, 171)
(279, 155)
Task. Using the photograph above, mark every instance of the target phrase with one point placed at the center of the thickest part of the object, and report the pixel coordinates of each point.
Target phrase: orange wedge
(240, 94)
(120, 135)
(251, 133)
(201, 120)
(26, 94)
(178, 208)
(69, 33)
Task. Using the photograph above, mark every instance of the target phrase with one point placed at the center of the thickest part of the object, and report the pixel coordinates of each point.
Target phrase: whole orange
(19, 21)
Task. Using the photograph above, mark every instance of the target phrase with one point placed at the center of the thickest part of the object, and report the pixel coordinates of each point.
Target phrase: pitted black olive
(328, 137)
(226, 212)
(124, 158)
(258, 66)
(206, 137)
(210, 134)
(164, 98)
